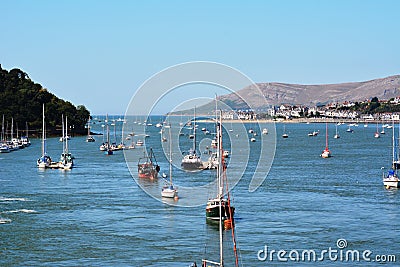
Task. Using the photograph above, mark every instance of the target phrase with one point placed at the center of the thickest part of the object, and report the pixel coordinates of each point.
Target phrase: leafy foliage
(22, 99)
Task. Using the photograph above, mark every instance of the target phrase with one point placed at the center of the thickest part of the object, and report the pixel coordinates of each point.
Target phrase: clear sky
(97, 53)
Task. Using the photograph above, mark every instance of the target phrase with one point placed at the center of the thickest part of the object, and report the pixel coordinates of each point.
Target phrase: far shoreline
(302, 120)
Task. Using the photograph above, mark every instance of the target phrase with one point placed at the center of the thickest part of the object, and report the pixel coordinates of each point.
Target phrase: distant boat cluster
(11, 143)
(390, 178)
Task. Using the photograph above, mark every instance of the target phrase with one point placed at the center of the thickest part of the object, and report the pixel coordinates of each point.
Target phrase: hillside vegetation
(22, 99)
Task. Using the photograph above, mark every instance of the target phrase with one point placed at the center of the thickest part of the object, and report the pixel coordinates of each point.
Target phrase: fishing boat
(89, 137)
(66, 159)
(326, 153)
(192, 162)
(391, 178)
(44, 161)
(219, 210)
(169, 190)
(148, 166)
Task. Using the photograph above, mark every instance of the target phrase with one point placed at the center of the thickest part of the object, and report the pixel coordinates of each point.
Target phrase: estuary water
(100, 214)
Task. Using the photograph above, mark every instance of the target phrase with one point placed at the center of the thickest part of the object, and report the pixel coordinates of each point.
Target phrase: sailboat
(326, 153)
(148, 166)
(4, 148)
(219, 205)
(169, 190)
(220, 210)
(336, 136)
(376, 135)
(192, 162)
(44, 161)
(391, 178)
(349, 130)
(383, 129)
(106, 146)
(284, 135)
(89, 137)
(66, 159)
(25, 139)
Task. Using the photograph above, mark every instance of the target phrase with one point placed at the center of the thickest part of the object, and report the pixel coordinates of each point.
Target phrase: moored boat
(391, 178)
(148, 166)
(192, 162)
(169, 190)
(326, 153)
(44, 161)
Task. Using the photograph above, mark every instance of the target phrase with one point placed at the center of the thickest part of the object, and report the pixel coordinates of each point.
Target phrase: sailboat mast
(62, 131)
(12, 128)
(220, 194)
(88, 133)
(2, 130)
(43, 135)
(393, 147)
(170, 157)
(66, 134)
(194, 131)
(326, 135)
(108, 132)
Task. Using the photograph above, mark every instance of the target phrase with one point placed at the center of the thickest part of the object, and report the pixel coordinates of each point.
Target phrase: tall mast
(326, 135)
(115, 133)
(66, 135)
(194, 131)
(62, 131)
(88, 132)
(220, 187)
(2, 130)
(393, 147)
(108, 132)
(43, 135)
(12, 128)
(170, 157)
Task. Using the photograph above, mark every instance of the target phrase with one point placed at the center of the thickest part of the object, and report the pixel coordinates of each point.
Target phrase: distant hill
(22, 99)
(311, 95)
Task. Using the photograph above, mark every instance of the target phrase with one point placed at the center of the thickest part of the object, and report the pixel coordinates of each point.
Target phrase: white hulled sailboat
(44, 161)
(169, 190)
(66, 159)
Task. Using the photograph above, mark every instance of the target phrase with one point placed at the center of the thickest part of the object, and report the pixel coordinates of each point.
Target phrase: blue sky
(97, 53)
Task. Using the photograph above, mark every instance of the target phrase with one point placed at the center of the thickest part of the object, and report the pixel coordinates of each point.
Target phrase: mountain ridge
(277, 93)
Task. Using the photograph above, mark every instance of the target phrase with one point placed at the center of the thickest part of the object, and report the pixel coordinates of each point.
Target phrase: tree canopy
(22, 100)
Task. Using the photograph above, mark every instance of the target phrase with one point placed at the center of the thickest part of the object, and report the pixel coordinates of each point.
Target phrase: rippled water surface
(97, 214)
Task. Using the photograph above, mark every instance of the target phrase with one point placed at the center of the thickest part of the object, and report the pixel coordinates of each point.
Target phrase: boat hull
(391, 184)
(168, 193)
(212, 212)
(192, 166)
(147, 170)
